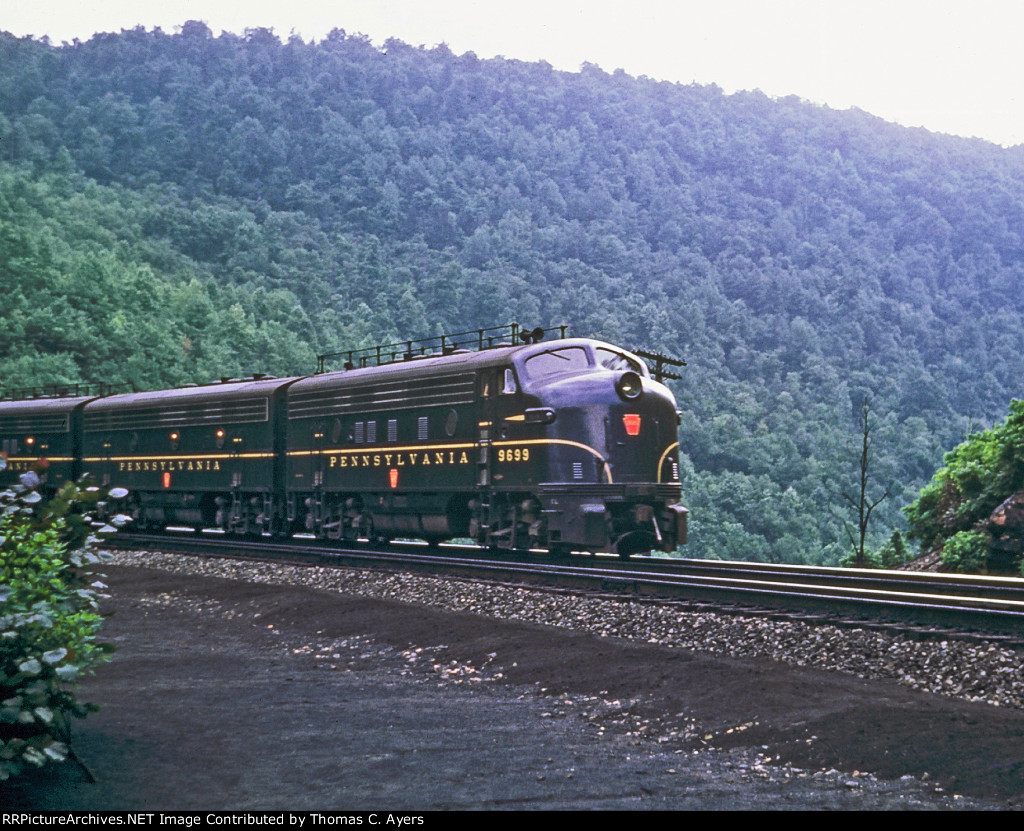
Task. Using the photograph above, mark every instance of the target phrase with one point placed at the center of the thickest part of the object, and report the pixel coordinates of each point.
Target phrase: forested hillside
(177, 207)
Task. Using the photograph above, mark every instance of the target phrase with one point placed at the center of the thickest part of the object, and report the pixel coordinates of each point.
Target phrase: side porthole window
(451, 421)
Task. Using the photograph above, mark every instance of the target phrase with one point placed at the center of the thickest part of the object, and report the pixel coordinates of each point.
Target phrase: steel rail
(978, 585)
(979, 604)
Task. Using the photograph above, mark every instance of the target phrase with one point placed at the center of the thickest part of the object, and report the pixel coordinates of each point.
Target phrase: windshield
(576, 359)
(554, 361)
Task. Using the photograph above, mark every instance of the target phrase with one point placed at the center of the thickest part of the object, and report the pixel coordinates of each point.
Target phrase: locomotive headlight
(629, 386)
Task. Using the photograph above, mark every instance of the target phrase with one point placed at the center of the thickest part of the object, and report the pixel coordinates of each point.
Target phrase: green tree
(952, 509)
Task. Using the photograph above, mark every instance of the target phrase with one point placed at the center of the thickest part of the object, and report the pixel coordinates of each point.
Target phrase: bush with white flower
(49, 615)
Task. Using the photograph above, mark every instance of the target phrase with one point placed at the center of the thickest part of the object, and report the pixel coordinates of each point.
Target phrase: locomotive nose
(639, 428)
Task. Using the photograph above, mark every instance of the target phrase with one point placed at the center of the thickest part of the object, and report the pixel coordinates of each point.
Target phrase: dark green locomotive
(209, 457)
(43, 428)
(567, 444)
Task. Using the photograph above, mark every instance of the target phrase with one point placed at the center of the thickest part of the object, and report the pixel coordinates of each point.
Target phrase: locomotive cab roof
(578, 354)
(541, 362)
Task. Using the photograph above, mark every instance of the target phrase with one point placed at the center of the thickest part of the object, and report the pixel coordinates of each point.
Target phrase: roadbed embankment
(230, 694)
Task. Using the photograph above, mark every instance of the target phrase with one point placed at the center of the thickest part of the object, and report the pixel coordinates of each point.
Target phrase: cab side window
(611, 359)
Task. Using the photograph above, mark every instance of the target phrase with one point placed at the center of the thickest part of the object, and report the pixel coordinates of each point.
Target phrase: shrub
(49, 618)
(977, 476)
(894, 552)
(966, 551)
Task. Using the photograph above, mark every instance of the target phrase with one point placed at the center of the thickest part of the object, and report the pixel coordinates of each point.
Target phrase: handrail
(47, 391)
(473, 340)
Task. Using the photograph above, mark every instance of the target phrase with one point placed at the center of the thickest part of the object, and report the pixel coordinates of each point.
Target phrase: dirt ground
(228, 695)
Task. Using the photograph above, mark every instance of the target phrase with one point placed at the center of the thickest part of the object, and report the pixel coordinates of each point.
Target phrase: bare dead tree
(859, 501)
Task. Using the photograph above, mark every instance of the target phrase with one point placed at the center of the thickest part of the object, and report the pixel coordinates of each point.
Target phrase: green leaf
(34, 757)
(30, 667)
(58, 751)
(55, 656)
(67, 672)
(44, 714)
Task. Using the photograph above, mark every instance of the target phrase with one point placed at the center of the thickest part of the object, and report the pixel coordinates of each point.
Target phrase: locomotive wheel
(279, 529)
(634, 542)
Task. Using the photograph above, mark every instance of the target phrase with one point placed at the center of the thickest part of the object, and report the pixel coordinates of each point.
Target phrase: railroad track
(927, 604)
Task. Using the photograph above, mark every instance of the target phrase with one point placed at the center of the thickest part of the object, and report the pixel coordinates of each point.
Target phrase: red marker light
(631, 421)
(393, 477)
(167, 479)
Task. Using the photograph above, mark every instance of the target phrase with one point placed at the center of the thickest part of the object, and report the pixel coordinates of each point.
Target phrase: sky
(951, 66)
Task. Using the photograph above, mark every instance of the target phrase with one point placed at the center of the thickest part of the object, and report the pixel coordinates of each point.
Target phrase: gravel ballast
(979, 672)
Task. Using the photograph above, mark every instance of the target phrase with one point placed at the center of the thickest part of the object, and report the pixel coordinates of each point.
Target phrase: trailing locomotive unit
(567, 444)
(209, 456)
(43, 428)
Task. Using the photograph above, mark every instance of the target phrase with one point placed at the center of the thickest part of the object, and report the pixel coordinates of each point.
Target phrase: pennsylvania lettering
(425, 458)
(157, 465)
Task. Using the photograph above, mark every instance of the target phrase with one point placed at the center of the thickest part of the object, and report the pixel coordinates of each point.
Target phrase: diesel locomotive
(513, 440)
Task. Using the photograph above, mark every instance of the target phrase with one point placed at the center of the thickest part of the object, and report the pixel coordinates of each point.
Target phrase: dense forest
(180, 207)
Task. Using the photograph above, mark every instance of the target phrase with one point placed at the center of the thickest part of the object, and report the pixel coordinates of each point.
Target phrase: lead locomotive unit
(564, 444)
